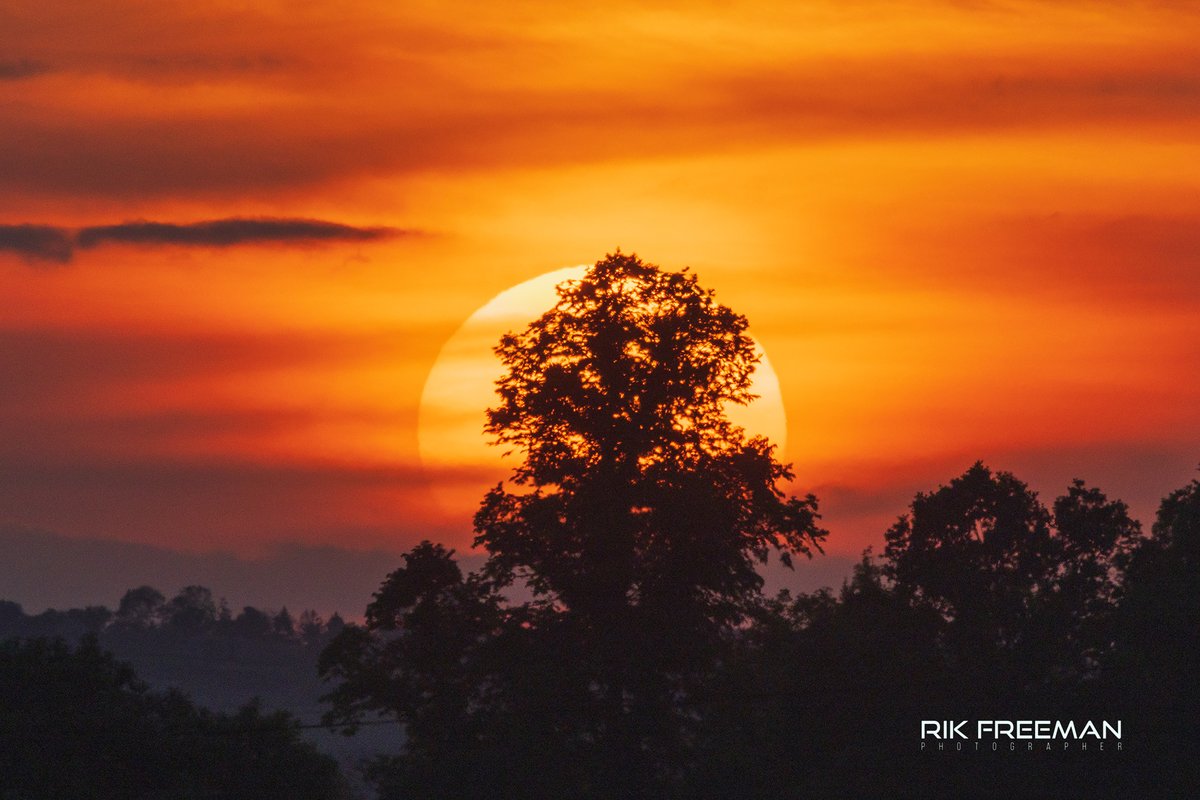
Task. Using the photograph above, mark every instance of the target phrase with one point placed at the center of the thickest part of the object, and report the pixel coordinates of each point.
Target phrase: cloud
(230, 232)
(37, 243)
(21, 68)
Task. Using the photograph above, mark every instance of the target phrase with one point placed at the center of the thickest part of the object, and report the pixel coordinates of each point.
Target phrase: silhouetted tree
(421, 659)
(639, 509)
(978, 549)
(141, 607)
(1023, 593)
(192, 610)
(1095, 540)
(635, 488)
(636, 518)
(252, 623)
(311, 626)
(1156, 670)
(283, 624)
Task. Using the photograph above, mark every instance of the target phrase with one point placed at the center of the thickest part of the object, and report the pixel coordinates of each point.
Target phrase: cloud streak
(35, 243)
(48, 243)
(22, 68)
(230, 232)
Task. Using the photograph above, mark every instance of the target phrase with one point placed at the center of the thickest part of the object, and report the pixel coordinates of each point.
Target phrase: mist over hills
(49, 570)
(42, 569)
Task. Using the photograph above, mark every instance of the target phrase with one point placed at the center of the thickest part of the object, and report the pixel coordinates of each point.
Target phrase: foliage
(634, 487)
(1023, 593)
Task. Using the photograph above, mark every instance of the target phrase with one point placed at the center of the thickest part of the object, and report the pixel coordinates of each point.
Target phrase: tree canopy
(634, 487)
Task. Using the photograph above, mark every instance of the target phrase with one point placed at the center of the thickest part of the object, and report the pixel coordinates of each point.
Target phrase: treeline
(194, 611)
(645, 660)
(985, 604)
(194, 641)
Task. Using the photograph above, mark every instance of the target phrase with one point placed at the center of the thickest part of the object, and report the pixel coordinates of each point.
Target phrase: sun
(460, 459)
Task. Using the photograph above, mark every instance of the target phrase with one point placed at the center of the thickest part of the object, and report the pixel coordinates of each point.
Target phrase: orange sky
(961, 231)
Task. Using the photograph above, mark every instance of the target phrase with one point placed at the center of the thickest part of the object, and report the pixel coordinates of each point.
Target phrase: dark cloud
(36, 243)
(229, 232)
(42, 243)
(21, 68)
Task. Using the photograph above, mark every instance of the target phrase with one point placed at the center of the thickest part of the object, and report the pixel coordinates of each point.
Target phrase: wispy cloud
(229, 232)
(17, 69)
(48, 243)
(280, 111)
(37, 242)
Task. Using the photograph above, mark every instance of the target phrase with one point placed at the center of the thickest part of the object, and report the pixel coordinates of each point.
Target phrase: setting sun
(462, 463)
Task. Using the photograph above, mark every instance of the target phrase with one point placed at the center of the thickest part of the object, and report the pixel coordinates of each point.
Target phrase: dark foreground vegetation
(194, 645)
(76, 724)
(647, 662)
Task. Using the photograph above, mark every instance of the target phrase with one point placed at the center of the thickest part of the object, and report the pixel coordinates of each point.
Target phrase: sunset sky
(235, 237)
